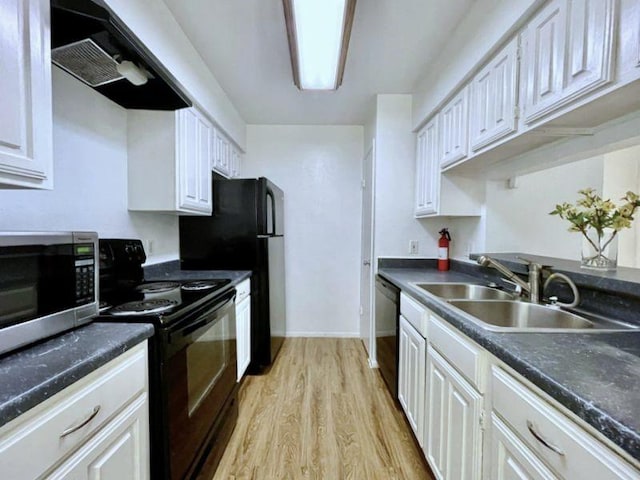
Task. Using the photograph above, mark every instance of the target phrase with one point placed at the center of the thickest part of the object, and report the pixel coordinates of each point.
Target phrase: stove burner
(144, 307)
(201, 285)
(157, 287)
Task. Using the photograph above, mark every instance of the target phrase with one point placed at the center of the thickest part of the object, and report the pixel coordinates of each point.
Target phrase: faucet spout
(486, 261)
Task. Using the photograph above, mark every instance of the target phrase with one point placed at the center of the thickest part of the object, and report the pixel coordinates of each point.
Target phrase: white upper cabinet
(226, 156)
(169, 165)
(427, 170)
(221, 154)
(568, 53)
(439, 193)
(194, 188)
(454, 129)
(25, 94)
(494, 99)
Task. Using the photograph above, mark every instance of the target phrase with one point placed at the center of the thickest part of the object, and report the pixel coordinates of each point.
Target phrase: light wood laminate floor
(320, 413)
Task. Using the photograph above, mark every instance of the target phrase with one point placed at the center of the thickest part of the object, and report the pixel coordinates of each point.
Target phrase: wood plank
(320, 413)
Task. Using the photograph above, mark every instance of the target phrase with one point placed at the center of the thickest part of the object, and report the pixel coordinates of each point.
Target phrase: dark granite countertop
(595, 375)
(34, 374)
(171, 271)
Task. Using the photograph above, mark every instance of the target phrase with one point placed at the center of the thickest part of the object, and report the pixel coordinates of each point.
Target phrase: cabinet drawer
(462, 353)
(243, 290)
(560, 443)
(415, 314)
(62, 423)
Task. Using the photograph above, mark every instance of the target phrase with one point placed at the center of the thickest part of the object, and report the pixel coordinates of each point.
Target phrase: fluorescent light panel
(319, 26)
(318, 32)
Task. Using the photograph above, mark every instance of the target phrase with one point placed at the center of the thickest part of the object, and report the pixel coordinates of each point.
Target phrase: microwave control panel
(85, 265)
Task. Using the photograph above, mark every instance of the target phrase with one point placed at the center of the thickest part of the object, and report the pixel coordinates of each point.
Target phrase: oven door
(201, 368)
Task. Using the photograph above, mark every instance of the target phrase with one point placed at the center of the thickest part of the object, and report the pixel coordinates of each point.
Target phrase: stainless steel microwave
(48, 284)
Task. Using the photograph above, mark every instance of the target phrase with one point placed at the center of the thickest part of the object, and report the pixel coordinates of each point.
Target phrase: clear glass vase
(600, 251)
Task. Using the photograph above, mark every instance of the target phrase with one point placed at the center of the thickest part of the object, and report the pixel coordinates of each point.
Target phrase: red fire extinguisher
(443, 250)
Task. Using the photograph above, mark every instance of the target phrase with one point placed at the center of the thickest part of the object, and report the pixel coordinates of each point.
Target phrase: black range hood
(89, 41)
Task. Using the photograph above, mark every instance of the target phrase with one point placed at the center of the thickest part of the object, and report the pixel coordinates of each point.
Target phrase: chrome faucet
(534, 285)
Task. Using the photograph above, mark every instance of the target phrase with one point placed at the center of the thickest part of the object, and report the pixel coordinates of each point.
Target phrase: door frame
(371, 347)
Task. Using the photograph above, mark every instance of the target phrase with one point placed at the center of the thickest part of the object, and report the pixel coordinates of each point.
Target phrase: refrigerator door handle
(272, 199)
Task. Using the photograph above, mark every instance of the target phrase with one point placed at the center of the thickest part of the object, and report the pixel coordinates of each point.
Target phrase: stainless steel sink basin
(513, 316)
(450, 291)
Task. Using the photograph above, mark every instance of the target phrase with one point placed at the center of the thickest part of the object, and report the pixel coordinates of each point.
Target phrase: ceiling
(244, 43)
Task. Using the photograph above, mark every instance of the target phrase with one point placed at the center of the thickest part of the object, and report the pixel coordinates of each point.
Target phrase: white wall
(319, 168)
(156, 27)
(518, 218)
(90, 168)
(487, 24)
(622, 174)
(395, 167)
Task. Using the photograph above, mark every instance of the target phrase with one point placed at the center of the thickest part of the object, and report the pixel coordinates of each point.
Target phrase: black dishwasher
(387, 312)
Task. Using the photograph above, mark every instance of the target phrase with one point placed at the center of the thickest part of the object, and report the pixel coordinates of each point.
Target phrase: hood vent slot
(87, 62)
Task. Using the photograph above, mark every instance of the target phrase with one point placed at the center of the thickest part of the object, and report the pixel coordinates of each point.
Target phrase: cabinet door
(194, 169)
(568, 52)
(25, 94)
(427, 170)
(454, 128)
(455, 435)
(436, 435)
(411, 371)
(235, 163)
(510, 459)
(243, 322)
(589, 47)
(494, 97)
(222, 154)
(119, 451)
(544, 40)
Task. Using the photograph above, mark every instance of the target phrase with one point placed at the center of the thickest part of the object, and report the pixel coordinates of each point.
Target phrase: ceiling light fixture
(318, 33)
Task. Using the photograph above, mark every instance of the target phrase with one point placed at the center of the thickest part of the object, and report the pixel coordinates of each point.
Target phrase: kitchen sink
(514, 316)
(467, 291)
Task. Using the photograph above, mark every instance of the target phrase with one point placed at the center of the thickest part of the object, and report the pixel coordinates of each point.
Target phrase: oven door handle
(209, 317)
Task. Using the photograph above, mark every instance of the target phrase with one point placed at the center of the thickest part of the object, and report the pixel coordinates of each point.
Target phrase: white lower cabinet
(243, 326)
(554, 439)
(96, 428)
(479, 419)
(119, 451)
(411, 376)
(510, 459)
(454, 431)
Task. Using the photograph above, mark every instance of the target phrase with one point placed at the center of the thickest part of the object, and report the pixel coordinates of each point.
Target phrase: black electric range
(192, 358)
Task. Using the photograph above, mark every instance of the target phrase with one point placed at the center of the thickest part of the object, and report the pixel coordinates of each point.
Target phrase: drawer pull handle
(543, 440)
(75, 428)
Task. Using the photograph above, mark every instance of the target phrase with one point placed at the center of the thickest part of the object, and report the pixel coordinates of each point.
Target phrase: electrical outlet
(413, 246)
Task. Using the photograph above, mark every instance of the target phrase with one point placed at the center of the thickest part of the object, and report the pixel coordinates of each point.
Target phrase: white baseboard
(323, 334)
(373, 363)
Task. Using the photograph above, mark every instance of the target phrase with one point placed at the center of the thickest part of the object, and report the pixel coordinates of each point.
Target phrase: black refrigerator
(245, 232)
